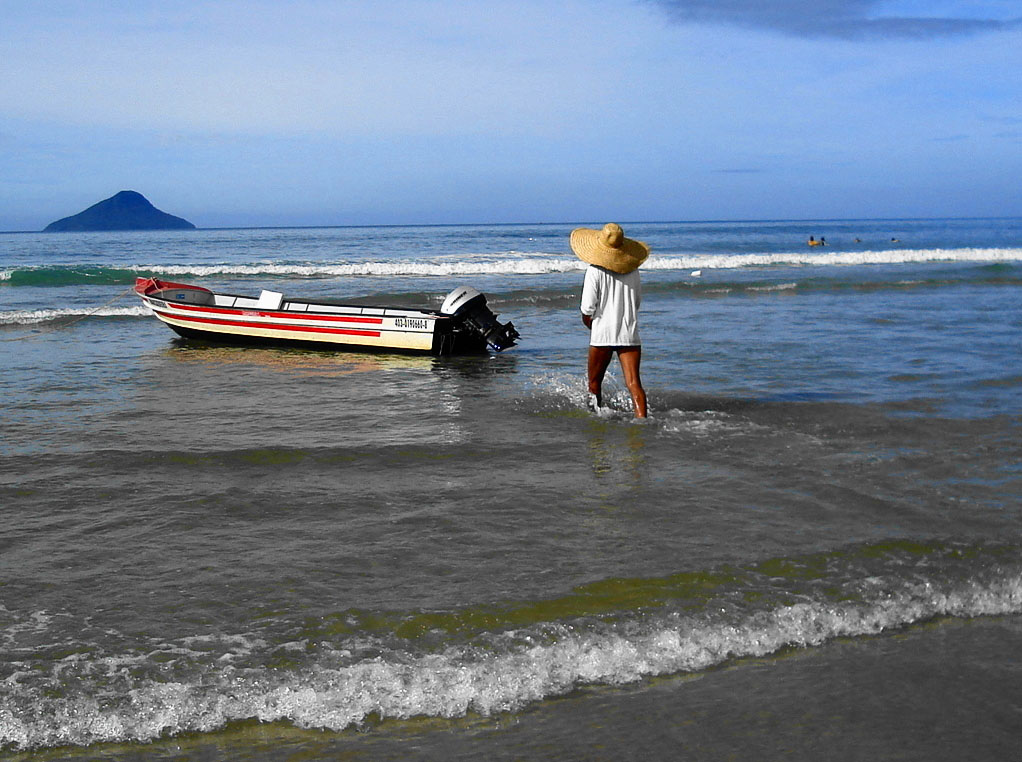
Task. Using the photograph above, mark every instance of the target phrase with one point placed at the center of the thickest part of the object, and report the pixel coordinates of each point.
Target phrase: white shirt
(612, 300)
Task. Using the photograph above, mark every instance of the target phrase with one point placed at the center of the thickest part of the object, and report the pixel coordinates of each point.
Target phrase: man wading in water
(610, 306)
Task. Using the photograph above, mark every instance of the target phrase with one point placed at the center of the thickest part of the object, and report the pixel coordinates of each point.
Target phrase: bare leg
(630, 357)
(599, 359)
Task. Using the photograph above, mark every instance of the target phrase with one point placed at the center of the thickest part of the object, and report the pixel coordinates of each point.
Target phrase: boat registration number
(420, 323)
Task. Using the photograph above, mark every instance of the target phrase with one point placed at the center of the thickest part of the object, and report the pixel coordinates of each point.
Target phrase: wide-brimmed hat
(608, 248)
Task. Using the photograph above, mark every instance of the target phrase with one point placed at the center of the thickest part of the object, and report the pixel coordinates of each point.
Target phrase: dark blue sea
(811, 550)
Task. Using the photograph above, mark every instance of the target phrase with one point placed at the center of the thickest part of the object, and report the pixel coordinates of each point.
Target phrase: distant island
(126, 210)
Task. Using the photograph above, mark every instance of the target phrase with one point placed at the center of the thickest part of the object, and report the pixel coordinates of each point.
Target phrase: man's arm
(590, 296)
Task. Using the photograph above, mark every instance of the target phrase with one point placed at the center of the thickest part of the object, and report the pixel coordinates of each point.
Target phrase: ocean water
(812, 550)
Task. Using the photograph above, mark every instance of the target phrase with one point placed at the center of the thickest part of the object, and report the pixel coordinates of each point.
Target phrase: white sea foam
(512, 266)
(537, 263)
(837, 258)
(706, 423)
(775, 287)
(335, 695)
(544, 264)
(37, 622)
(30, 317)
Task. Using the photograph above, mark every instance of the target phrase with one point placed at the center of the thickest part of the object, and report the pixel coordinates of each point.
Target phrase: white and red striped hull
(196, 312)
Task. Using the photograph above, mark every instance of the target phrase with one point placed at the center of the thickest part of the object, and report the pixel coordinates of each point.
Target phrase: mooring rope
(60, 324)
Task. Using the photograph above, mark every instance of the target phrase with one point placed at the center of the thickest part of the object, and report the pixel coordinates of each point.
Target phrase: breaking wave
(516, 264)
(834, 259)
(32, 317)
(341, 670)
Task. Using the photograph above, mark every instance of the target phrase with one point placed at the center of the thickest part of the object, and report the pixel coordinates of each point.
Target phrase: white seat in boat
(269, 300)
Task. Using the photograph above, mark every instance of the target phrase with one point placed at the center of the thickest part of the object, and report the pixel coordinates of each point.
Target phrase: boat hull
(198, 313)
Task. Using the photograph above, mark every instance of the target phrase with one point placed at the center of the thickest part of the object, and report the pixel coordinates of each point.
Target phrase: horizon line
(521, 224)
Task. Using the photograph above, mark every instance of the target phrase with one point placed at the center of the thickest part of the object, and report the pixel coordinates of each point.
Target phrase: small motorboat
(462, 324)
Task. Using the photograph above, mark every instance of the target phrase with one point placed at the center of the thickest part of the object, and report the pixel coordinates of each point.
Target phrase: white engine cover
(457, 299)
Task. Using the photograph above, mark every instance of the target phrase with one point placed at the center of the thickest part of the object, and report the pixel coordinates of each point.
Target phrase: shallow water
(811, 548)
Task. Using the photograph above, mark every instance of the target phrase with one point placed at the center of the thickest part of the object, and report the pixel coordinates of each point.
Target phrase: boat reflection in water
(304, 362)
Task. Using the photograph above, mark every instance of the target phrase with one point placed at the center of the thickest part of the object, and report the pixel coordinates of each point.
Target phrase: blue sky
(259, 112)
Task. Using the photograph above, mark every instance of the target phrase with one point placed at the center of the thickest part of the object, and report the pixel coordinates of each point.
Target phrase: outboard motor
(469, 306)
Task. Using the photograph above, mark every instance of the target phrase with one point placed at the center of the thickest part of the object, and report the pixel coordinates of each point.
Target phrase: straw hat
(608, 248)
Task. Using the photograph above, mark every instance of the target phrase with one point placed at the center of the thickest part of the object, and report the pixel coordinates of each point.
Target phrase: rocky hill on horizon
(127, 210)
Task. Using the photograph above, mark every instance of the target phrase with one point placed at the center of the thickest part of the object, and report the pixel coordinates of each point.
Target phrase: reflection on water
(617, 450)
(229, 397)
(303, 361)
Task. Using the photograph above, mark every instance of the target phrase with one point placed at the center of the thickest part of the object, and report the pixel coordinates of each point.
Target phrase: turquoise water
(231, 553)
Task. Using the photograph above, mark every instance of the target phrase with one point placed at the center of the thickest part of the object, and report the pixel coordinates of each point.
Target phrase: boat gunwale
(386, 312)
(284, 310)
